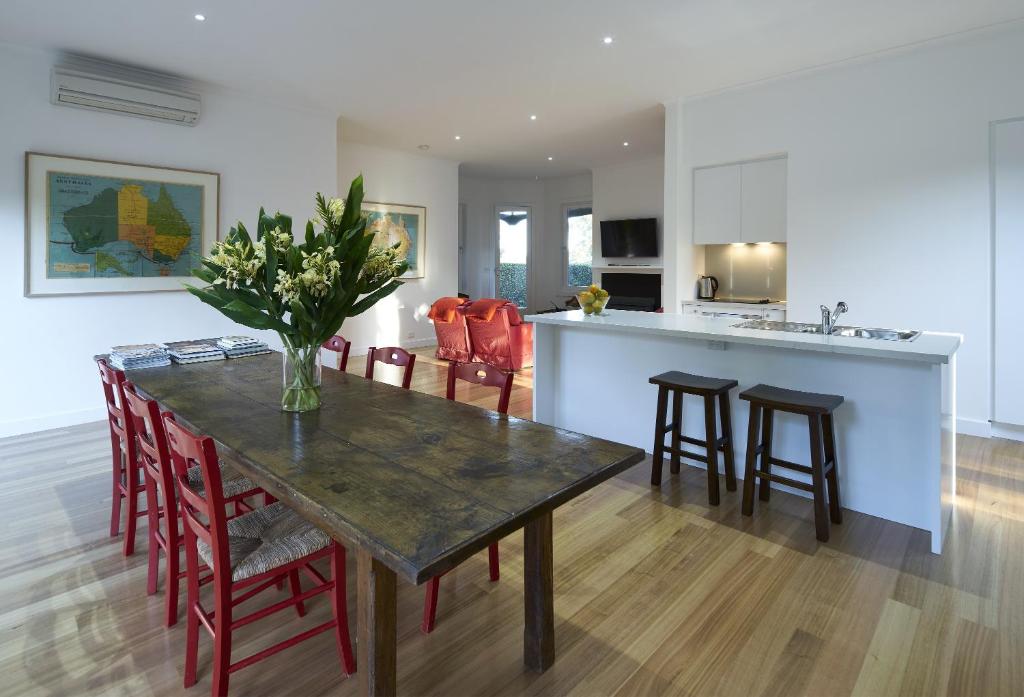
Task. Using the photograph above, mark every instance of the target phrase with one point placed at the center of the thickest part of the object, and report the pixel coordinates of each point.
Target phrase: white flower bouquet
(302, 290)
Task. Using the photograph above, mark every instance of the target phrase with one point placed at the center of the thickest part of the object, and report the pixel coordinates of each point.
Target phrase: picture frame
(97, 226)
(403, 224)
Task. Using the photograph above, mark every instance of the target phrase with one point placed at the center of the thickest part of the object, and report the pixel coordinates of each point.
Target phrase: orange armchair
(449, 318)
(498, 335)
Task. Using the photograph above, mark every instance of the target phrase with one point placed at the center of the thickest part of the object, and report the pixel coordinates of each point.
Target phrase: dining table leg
(539, 635)
(377, 638)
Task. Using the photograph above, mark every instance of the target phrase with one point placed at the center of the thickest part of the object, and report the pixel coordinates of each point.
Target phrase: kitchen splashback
(748, 270)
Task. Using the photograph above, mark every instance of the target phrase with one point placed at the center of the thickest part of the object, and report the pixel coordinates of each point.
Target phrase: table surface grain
(418, 481)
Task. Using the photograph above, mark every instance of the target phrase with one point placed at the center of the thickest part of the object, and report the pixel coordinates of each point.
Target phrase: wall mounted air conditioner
(102, 93)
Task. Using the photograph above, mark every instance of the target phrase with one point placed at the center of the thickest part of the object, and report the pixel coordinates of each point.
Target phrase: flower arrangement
(304, 290)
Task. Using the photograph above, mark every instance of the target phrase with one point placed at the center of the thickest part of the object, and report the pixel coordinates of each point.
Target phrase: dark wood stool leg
(659, 436)
(753, 424)
(677, 429)
(710, 429)
(725, 414)
(832, 478)
(818, 478)
(764, 491)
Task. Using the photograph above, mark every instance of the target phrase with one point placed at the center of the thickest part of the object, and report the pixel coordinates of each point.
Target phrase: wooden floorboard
(655, 592)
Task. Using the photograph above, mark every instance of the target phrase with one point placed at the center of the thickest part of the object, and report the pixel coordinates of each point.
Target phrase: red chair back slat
(113, 394)
(481, 374)
(338, 344)
(187, 450)
(152, 441)
(391, 355)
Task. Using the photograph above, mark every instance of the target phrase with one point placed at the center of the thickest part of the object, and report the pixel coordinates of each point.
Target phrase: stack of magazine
(185, 352)
(136, 356)
(238, 346)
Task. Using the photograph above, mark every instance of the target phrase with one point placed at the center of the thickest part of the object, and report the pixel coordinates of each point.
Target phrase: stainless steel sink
(770, 325)
(851, 332)
(884, 334)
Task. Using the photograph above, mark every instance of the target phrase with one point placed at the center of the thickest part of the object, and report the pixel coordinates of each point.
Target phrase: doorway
(512, 267)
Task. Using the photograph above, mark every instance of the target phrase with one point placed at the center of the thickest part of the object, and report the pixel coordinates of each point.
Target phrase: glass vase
(301, 378)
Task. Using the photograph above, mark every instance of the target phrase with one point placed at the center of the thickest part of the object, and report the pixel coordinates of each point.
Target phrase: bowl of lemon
(593, 300)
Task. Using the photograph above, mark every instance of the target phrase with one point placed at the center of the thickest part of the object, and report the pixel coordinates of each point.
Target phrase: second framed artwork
(406, 226)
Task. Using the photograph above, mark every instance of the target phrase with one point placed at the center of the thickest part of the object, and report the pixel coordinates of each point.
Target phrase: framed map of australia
(112, 227)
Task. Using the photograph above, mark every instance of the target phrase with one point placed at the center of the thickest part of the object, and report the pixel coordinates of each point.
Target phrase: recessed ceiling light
(458, 137)
(200, 18)
(423, 147)
(550, 158)
(607, 40)
(625, 143)
(533, 117)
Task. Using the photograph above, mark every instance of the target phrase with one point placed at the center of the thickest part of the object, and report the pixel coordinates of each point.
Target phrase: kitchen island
(896, 441)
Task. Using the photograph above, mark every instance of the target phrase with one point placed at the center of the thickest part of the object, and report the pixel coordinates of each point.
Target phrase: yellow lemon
(586, 297)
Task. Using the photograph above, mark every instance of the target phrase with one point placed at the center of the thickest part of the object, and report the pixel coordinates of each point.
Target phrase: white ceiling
(405, 73)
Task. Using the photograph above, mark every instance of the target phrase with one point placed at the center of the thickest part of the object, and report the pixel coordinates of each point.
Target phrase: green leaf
(353, 204)
(373, 298)
(261, 227)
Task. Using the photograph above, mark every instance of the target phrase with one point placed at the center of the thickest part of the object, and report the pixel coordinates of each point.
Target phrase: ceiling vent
(90, 90)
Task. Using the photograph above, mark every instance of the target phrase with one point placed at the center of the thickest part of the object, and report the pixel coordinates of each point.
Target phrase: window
(579, 244)
(513, 254)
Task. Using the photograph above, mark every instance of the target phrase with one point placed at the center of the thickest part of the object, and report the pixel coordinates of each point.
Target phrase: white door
(512, 270)
(763, 200)
(716, 205)
(1008, 191)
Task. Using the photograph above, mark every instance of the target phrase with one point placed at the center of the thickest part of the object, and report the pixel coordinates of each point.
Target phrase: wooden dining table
(413, 484)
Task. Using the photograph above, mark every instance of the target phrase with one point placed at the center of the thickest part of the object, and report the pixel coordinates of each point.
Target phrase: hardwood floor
(655, 593)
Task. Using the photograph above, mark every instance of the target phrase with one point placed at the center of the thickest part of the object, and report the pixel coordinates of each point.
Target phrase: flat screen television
(637, 237)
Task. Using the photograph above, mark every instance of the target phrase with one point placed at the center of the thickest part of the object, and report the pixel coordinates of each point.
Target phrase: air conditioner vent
(103, 93)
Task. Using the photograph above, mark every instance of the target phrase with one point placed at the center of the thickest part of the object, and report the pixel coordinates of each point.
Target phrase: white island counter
(895, 433)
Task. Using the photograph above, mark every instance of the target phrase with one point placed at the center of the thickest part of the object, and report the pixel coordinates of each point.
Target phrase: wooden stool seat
(692, 384)
(708, 389)
(765, 400)
(793, 401)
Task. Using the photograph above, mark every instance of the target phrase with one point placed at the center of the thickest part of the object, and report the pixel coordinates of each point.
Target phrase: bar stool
(765, 400)
(678, 384)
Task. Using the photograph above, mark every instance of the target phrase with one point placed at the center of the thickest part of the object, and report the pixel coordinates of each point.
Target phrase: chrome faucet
(828, 319)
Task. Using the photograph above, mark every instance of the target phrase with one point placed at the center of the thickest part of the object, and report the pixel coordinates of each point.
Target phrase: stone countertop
(929, 347)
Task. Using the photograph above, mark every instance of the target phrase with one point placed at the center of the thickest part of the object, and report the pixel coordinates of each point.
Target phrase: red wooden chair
(338, 344)
(489, 376)
(252, 552)
(127, 472)
(161, 502)
(392, 355)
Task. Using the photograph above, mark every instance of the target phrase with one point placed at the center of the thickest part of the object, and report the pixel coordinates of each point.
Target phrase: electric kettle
(707, 286)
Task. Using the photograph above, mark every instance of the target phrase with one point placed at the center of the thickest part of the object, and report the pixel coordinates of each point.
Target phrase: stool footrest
(694, 441)
(803, 486)
(790, 465)
(684, 453)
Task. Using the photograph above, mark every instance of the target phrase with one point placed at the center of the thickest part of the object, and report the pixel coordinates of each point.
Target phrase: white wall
(630, 190)
(545, 197)
(889, 204)
(393, 176)
(267, 154)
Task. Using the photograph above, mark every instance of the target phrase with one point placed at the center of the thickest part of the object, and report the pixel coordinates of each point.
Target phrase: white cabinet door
(1008, 162)
(763, 201)
(716, 209)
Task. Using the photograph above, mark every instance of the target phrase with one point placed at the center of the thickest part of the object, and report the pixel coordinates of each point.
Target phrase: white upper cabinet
(744, 202)
(763, 201)
(716, 210)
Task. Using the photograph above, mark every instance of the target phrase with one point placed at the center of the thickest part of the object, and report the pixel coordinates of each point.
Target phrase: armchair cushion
(443, 310)
(485, 308)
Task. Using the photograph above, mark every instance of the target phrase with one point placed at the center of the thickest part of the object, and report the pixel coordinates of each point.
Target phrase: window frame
(566, 206)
